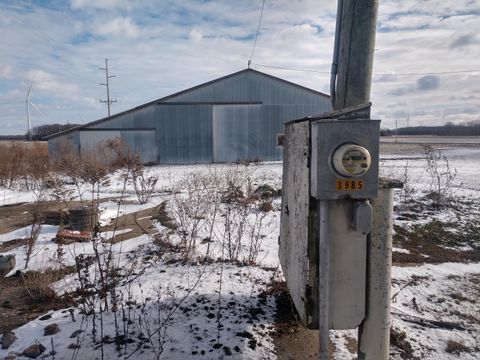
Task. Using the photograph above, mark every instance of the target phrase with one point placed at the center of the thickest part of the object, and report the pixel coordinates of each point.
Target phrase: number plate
(349, 185)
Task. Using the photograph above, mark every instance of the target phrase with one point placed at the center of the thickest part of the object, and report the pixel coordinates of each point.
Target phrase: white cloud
(6, 72)
(119, 27)
(98, 4)
(195, 34)
(47, 83)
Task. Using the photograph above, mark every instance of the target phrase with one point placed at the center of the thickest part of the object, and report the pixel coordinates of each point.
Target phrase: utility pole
(355, 52)
(355, 62)
(107, 84)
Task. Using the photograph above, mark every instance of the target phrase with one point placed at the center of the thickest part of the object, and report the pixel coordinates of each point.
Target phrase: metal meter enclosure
(344, 159)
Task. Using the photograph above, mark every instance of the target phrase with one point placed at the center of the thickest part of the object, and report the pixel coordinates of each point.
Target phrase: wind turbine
(27, 104)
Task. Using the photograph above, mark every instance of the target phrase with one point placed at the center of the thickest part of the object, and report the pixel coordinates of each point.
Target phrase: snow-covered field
(214, 301)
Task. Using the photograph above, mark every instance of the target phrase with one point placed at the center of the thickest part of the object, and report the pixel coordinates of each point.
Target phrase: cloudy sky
(427, 59)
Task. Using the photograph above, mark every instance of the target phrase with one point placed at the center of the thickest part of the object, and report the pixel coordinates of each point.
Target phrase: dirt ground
(292, 340)
(16, 306)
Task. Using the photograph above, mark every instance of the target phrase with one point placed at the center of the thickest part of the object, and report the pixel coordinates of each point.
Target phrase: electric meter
(351, 160)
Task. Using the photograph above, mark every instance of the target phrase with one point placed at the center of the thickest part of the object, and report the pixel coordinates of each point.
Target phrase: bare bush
(38, 207)
(407, 190)
(38, 287)
(23, 165)
(144, 185)
(132, 169)
(441, 176)
(191, 209)
(222, 207)
(255, 237)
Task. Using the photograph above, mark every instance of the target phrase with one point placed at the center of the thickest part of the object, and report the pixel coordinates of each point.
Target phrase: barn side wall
(235, 118)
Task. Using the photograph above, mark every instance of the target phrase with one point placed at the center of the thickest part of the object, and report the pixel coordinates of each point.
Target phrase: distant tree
(40, 132)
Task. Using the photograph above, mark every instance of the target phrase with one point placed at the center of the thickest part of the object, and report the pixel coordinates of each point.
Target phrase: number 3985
(349, 185)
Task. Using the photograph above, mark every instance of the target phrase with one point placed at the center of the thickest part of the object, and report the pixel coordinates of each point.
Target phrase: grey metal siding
(143, 143)
(184, 133)
(236, 132)
(71, 139)
(248, 132)
(253, 87)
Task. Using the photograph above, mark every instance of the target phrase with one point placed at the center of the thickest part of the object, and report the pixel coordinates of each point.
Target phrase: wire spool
(81, 219)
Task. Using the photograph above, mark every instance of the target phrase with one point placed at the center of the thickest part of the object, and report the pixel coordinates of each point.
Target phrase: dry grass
(23, 165)
(38, 286)
(455, 347)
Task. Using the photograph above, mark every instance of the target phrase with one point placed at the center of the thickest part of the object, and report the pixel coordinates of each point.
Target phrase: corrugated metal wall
(235, 118)
(184, 133)
(139, 141)
(71, 139)
(251, 86)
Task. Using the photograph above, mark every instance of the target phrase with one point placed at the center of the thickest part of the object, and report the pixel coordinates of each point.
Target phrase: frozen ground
(177, 308)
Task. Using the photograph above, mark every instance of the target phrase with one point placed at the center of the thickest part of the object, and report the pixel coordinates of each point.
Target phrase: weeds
(441, 176)
(457, 348)
(38, 287)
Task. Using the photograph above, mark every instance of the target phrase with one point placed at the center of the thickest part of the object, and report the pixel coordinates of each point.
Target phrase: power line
(256, 35)
(378, 74)
(292, 69)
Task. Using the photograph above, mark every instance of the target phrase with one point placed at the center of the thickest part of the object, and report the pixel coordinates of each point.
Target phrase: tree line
(40, 132)
(449, 129)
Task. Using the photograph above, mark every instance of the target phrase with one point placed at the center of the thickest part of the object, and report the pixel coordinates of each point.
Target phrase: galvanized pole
(374, 333)
(323, 279)
(352, 88)
(355, 53)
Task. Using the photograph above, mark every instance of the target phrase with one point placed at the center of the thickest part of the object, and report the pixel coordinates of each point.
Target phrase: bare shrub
(67, 162)
(38, 287)
(255, 236)
(23, 165)
(455, 347)
(441, 176)
(57, 189)
(38, 207)
(191, 209)
(132, 168)
(144, 185)
(407, 190)
(222, 207)
(265, 206)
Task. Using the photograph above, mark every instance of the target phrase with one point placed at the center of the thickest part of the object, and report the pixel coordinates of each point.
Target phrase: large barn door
(238, 133)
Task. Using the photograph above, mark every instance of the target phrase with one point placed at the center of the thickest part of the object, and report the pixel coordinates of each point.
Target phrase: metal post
(374, 333)
(29, 134)
(355, 54)
(323, 279)
(107, 84)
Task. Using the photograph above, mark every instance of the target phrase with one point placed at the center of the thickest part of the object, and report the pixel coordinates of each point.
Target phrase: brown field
(28, 144)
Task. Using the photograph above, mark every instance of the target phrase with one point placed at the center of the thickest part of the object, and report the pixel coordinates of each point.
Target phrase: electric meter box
(344, 159)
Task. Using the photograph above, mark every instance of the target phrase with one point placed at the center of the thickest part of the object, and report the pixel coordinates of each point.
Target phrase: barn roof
(168, 97)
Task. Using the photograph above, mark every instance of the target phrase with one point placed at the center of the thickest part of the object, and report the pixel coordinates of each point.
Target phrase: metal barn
(236, 117)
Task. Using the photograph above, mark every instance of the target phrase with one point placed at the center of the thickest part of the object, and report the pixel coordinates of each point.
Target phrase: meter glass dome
(351, 160)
